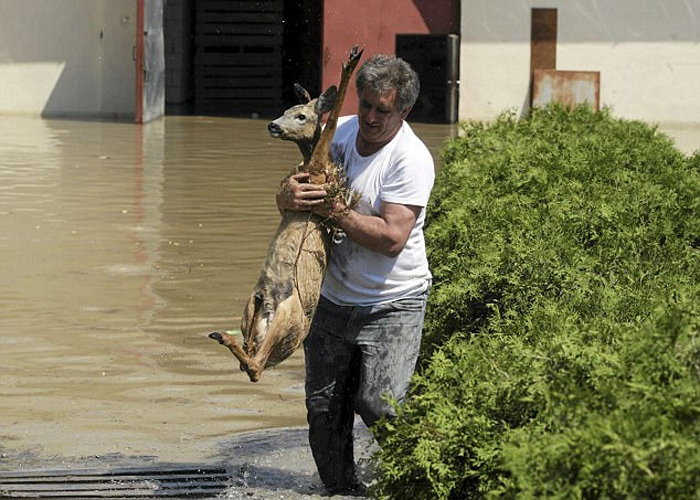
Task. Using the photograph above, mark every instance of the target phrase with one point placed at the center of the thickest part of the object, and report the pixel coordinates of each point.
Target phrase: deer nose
(273, 128)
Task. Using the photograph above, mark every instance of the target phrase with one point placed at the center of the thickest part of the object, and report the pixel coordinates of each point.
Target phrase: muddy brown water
(121, 247)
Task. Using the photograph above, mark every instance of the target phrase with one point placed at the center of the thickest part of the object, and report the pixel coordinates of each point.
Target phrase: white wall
(647, 51)
(67, 57)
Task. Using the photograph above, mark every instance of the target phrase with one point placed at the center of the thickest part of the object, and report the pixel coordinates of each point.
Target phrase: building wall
(647, 51)
(67, 57)
(374, 24)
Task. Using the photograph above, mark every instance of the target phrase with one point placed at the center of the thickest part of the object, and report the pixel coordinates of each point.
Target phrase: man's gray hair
(382, 73)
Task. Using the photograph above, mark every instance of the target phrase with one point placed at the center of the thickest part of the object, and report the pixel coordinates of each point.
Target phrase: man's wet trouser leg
(330, 411)
(355, 358)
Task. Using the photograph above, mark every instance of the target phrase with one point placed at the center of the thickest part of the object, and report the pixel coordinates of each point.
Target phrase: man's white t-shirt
(401, 172)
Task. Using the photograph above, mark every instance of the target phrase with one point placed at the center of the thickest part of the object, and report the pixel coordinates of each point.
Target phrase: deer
(277, 316)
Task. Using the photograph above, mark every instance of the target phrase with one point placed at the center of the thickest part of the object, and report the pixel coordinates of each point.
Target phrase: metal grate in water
(138, 482)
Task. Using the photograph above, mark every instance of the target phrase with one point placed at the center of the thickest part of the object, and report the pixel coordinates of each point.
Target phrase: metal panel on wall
(568, 88)
(150, 60)
(238, 59)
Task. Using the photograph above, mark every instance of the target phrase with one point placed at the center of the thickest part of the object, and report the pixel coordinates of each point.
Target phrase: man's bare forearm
(372, 232)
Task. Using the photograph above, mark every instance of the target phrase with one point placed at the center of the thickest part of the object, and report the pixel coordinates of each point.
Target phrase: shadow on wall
(589, 21)
(67, 57)
(447, 18)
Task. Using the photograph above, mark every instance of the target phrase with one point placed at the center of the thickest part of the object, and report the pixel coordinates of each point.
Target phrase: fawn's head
(302, 123)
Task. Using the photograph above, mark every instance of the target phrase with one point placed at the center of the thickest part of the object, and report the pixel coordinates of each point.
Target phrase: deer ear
(326, 100)
(302, 93)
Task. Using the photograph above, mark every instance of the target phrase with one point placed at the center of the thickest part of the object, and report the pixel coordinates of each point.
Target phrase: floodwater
(121, 247)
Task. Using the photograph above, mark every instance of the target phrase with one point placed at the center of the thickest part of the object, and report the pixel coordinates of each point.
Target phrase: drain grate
(143, 482)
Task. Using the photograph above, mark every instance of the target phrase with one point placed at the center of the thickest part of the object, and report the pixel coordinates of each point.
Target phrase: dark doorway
(436, 59)
(302, 49)
(240, 57)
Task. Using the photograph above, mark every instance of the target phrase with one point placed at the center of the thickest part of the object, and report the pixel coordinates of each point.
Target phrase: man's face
(379, 119)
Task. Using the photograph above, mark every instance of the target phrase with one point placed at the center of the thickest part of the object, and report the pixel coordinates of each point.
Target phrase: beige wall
(67, 57)
(647, 51)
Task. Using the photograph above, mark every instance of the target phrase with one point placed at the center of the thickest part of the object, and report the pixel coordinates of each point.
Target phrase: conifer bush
(562, 342)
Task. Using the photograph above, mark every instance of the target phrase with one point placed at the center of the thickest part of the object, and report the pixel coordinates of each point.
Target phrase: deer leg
(227, 340)
(287, 327)
(249, 365)
(250, 321)
(251, 316)
(323, 147)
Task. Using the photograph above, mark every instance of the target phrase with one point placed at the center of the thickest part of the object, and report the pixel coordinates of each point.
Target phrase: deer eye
(301, 117)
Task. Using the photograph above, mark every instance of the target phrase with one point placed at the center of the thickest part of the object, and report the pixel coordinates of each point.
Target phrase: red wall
(373, 24)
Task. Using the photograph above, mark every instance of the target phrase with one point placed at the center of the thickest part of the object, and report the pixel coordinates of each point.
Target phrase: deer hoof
(355, 53)
(254, 375)
(254, 371)
(217, 336)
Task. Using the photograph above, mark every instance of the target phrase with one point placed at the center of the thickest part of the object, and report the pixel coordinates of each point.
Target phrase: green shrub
(562, 342)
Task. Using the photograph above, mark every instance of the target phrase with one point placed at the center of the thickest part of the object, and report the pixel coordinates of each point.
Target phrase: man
(366, 333)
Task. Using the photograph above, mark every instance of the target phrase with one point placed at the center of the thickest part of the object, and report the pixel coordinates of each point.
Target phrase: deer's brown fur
(278, 314)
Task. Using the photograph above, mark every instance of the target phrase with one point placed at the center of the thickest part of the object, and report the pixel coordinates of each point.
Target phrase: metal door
(150, 61)
(238, 58)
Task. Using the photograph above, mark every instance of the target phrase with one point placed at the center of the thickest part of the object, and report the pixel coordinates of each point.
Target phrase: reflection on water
(121, 247)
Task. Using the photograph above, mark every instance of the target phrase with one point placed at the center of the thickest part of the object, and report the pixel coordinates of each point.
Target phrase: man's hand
(333, 210)
(298, 195)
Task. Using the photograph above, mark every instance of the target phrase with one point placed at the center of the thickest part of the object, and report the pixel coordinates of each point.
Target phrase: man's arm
(386, 233)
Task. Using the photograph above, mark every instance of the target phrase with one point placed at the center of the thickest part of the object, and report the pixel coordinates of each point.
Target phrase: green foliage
(562, 353)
